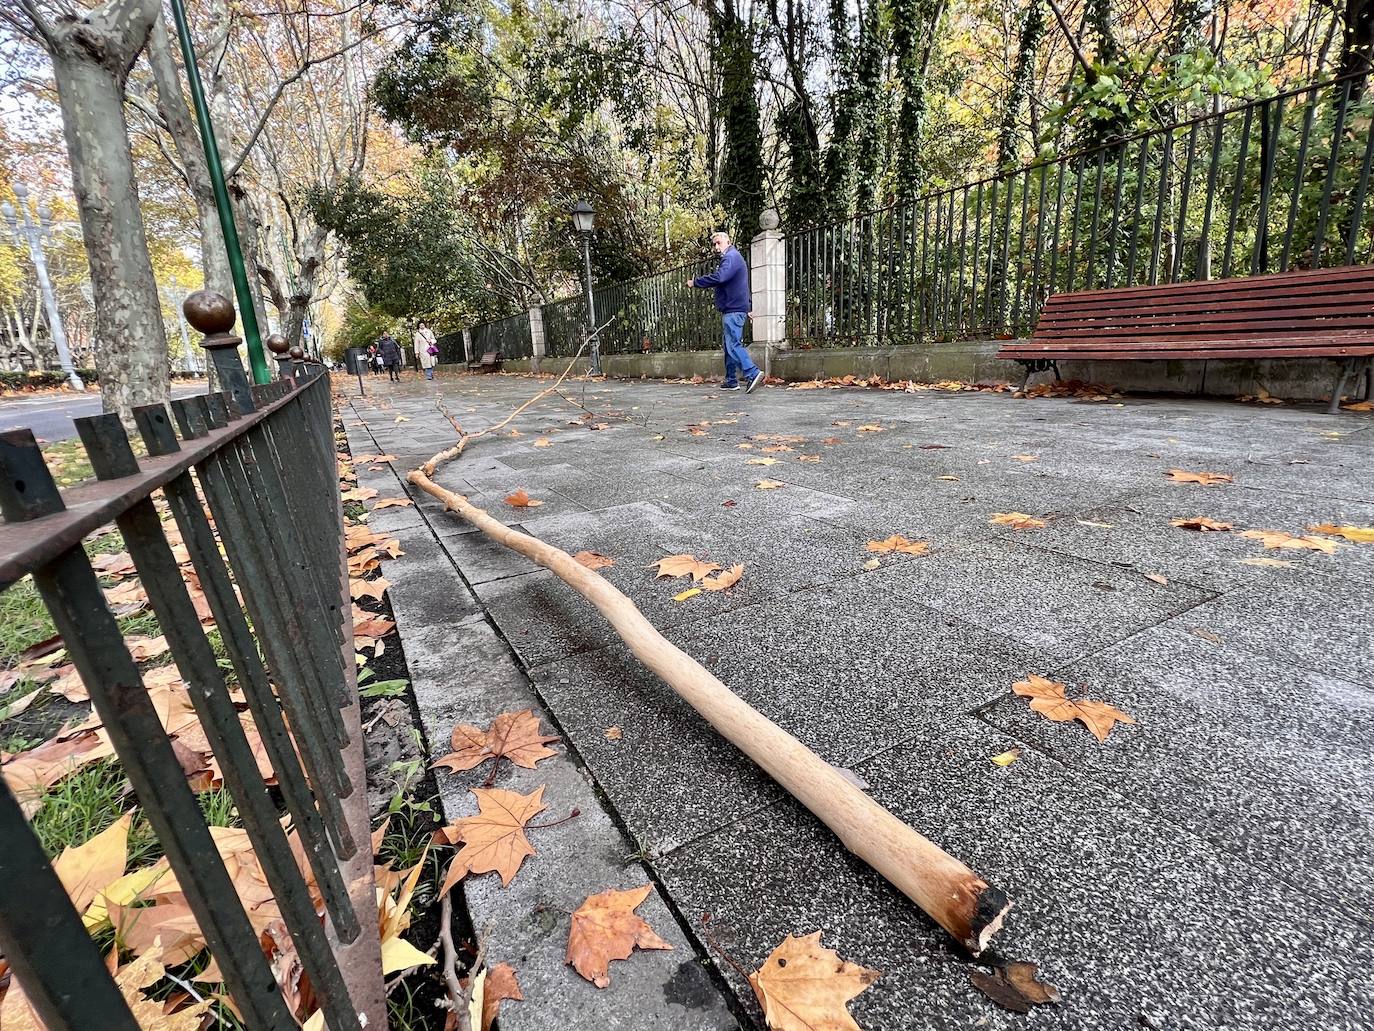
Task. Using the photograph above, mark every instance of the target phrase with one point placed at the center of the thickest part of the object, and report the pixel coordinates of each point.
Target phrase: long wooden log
(954, 896)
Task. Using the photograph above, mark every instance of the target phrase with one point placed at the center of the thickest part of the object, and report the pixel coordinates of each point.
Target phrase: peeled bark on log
(954, 896)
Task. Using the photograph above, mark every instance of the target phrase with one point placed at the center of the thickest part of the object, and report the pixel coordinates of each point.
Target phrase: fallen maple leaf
(1025, 458)
(1047, 698)
(684, 565)
(1278, 539)
(1200, 523)
(392, 503)
(725, 580)
(512, 735)
(871, 428)
(85, 870)
(805, 987)
(593, 559)
(762, 461)
(494, 840)
(373, 589)
(1206, 479)
(520, 499)
(501, 984)
(1017, 520)
(808, 458)
(1358, 534)
(898, 543)
(831, 441)
(769, 484)
(606, 927)
(359, 494)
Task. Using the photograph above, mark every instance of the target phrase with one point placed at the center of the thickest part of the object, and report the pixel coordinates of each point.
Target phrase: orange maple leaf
(1017, 520)
(1200, 523)
(684, 565)
(1358, 534)
(494, 840)
(898, 543)
(803, 986)
(606, 927)
(512, 735)
(521, 499)
(1206, 479)
(725, 580)
(593, 559)
(391, 503)
(501, 984)
(1047, 698)
(769, 484)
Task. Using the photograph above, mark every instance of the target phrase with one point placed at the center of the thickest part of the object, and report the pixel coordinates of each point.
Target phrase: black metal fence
(1275, 184)
(509, 336)
(260, 463)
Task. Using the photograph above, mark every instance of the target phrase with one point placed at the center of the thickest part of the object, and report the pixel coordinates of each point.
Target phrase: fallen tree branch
(954, 896)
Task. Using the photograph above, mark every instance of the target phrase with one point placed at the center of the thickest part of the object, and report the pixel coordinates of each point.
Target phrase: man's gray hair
(720, 236)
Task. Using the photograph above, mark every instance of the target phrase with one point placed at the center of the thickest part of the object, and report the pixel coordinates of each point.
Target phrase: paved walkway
(1209, 867)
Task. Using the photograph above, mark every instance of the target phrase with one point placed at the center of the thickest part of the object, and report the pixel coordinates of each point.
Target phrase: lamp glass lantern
(583, 217)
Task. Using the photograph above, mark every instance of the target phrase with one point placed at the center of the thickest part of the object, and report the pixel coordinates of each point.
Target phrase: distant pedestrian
(391, 357)
(374, 356)
(733, 300)
(426, 350)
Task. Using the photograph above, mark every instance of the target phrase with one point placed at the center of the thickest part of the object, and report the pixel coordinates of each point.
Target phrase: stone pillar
(536, 337)
(467, 347)
(768, 280)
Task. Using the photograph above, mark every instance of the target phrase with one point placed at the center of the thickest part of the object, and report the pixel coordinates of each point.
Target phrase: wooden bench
(1321, 313)
(489, 362)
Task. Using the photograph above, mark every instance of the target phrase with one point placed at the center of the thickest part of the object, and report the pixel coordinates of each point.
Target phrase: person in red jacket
(730, 281)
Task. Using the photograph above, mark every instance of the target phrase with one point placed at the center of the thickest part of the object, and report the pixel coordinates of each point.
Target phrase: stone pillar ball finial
(298, 353)
(769, 219)
(276, 343)
(209, 312)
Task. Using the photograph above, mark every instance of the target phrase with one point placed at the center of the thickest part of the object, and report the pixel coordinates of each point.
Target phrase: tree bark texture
(91, 59)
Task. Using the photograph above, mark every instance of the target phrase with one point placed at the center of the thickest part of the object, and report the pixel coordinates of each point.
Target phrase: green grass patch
(23, 620)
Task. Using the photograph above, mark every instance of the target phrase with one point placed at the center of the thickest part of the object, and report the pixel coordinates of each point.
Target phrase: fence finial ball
(276, 343)
(298, 353)
(209, 312)
(769, 219)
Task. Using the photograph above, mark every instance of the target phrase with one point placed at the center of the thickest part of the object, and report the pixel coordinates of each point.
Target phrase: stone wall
(974, 361)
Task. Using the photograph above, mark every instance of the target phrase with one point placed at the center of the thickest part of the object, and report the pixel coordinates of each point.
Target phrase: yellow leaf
(86, 869)
(769, 484)
(691, 593)
(1278, 539)
(477, 999)
(1017, 520)
(872, 564)
(398, 954)
(762, 461)
(1358, 534)
(1006, 758)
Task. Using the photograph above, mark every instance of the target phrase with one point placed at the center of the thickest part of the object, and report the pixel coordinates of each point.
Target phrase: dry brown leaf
(1358, 534)
(1025, 458)
(86, 870)
(613, 734)
(1277, 539)
(391, 503)
(373, 589)
(542, 442)
(494, 840)
(1360, 406)
(512, 735)
(762, 461)
(520, 499)
(359, 494)
(685, 565)
(1157, 578)
(769, 484)
(871, 428)
(604, 928)
(898, 543)
(831, 441)
(593, 559)
(774, 449)
(1017, 520)
(808, 458)
(1047, 698)
(803, 986)
(501, 984)
(1014, 987)
(374, 458)
(1206, 479)
(1200, 523)
(725, 580)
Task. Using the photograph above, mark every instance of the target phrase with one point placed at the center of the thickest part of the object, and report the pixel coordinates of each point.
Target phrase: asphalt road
(50, 415)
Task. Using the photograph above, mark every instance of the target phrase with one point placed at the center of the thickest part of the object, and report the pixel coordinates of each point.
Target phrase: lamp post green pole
(251, 333)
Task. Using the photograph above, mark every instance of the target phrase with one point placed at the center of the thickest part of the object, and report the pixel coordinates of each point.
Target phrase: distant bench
(1321, 313)
(489, 362)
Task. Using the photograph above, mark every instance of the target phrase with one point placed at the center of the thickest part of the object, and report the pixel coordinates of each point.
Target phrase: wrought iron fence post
(213, 315)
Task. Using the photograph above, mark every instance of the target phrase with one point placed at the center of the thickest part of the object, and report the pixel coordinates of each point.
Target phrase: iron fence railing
(509, 336)
(254, 475)
(1275, 184)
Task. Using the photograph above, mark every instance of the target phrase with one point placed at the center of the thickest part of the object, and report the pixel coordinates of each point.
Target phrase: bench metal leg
(1369, 380)
(1055, 366)
(1346, 366)
(1024, 379)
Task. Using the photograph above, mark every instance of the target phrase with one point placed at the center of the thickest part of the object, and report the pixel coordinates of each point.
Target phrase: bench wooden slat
(1317, 305)
(1298, 327)
(1350, 277)
(1364, 351)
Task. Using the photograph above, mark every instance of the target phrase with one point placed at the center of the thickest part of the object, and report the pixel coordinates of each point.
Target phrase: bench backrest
(1285, 304)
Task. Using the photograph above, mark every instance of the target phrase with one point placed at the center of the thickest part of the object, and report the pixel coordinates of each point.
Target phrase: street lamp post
(36, 234)
(583, 218)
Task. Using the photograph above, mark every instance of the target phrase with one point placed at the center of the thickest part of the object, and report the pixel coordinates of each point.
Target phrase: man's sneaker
(730, 386)
(758, 378)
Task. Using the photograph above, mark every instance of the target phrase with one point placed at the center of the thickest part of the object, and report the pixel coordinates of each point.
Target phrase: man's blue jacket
(731, 283)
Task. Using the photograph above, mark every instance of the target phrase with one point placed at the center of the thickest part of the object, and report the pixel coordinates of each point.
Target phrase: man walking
(733, 300)
(391, 357)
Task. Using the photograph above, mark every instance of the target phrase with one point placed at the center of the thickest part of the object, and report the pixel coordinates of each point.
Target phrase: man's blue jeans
(737, 358)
